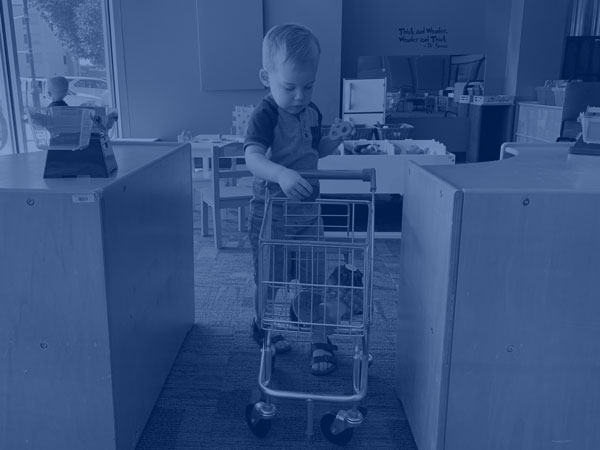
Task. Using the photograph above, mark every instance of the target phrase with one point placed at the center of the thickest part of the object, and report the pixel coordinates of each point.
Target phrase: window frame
(12, 77)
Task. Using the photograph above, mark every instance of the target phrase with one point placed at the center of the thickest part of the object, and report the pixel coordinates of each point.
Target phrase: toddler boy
(58, 88)
(283, 138)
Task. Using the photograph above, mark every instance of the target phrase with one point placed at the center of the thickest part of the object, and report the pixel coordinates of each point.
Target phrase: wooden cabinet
(499, 319)
(536, 123)
(97, 295)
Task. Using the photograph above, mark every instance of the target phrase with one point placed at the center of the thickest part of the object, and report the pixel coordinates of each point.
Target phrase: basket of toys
(395, 131)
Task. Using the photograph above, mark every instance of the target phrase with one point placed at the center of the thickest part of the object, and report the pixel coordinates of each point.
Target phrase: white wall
(536, 46)
(158, 65)
(496, 36)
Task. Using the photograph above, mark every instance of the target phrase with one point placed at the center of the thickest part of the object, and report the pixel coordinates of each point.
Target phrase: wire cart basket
(315, 277)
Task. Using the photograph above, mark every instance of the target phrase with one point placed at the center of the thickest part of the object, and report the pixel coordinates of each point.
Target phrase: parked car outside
(88, 85)
(82, 99)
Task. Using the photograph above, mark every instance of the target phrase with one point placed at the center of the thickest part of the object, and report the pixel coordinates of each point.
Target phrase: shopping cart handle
(364, 175)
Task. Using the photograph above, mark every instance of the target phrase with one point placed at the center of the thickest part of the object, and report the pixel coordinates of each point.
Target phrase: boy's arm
(337, 133)
(40, 119)
(328, 145)
(292, 184)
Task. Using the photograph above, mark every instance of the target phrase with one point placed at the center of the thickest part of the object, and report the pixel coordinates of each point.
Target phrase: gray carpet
(215, 374)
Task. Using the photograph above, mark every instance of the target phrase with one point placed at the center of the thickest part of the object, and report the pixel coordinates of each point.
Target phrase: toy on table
(241, 117)
(77, 140)
(340, 129)
(103, 121)
(184, 136)
(61, 127)
(111, 119)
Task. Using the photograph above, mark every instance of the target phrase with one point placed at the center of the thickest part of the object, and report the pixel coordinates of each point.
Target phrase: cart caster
(335, 429)
(363, 410)
(254, 418)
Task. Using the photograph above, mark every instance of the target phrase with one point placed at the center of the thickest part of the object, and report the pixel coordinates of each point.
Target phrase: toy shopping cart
(315, 277)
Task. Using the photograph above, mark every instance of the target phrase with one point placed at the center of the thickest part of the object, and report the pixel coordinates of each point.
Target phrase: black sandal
(258, 334)
(328, 358)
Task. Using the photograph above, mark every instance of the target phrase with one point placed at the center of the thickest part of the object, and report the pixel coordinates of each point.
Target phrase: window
(6, 138)
(52, 40)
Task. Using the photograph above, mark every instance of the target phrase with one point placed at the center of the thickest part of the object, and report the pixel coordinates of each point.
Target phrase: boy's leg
(268, 291)
(312, 267)
(323, 360)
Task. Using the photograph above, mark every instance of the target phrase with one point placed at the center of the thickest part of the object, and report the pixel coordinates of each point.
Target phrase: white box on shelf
(493, 99)
(390, 169)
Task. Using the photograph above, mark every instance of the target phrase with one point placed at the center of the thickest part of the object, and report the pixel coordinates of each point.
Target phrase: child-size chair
(225, 190)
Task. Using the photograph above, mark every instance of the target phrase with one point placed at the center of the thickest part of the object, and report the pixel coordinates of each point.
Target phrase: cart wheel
(363, 410)
(259, 427)
(339, 439)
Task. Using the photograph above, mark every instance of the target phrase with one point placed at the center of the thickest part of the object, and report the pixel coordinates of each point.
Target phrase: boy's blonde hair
(289, 43)
(58, 85)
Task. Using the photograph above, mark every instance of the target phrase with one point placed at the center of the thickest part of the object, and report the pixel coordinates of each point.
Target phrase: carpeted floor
(215, 374)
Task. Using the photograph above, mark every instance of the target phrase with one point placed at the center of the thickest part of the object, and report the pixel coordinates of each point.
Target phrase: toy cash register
(76, 139)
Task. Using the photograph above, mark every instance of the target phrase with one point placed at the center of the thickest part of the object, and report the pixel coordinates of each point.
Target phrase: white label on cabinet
(84, 198)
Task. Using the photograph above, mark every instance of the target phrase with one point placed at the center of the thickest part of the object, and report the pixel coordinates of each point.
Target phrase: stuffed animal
(346, 302)
(338, 302)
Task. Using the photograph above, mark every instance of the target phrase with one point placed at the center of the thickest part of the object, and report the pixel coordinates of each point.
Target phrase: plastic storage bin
(559, 95)
(395, 131)
(590, 127)
(61, 127)
(545, 96)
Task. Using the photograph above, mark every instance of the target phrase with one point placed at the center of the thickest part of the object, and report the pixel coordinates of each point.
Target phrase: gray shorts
(288, 260)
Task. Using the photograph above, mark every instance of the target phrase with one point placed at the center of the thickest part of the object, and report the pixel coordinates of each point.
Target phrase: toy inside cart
(315, 276)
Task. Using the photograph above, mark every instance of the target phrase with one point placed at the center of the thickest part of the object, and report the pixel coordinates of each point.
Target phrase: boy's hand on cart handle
(293, 185)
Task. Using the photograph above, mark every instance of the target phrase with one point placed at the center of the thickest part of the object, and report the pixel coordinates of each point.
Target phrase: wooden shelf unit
(97, 289)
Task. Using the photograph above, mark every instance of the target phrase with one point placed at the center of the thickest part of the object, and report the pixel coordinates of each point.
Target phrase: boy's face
(291, 84)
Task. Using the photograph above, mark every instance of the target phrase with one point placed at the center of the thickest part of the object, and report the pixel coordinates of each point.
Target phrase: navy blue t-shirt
(291, 140)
